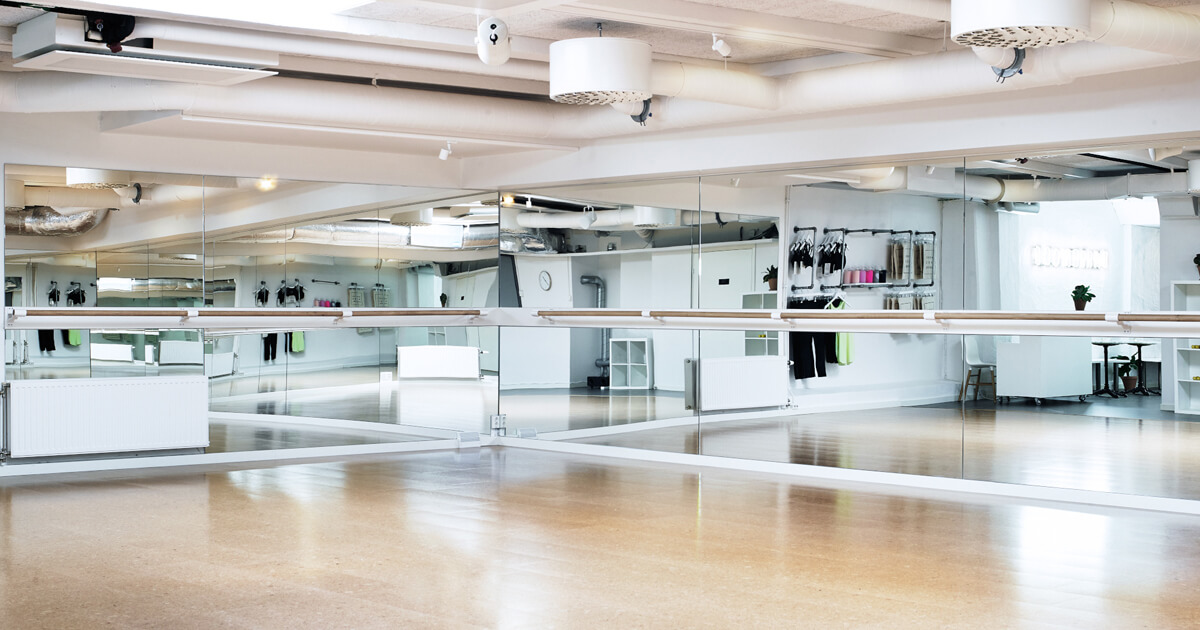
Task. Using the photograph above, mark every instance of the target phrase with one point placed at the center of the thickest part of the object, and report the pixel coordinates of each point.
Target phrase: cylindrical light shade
(599, 71)
(1019, 23)
(96, 178)
(14, 194)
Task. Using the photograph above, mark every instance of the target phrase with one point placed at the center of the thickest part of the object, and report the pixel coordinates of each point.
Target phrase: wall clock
(544, 280)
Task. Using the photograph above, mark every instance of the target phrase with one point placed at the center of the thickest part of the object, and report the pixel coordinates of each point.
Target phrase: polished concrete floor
(1008, 445)
(508, 538)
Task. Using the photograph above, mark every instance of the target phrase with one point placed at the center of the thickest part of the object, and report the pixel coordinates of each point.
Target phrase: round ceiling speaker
(1019, 23)
(96, 179)
(599, 71)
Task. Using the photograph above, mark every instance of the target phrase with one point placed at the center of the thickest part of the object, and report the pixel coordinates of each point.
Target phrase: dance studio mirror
(626, 246)
(130, 239)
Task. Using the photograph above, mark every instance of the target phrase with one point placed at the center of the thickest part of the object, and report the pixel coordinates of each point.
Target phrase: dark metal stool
(1141, 382)
(1105, 389)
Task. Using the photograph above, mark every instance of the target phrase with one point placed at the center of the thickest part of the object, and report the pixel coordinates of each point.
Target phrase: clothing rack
(841, 284)
(933, 244)
(812, 270)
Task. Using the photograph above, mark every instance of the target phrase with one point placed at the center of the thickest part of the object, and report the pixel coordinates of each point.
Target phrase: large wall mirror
(103, 238)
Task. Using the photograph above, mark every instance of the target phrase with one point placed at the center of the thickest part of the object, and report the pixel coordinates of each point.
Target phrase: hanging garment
(75, 337)
(46, 340)
(810, 351)
(843, 342)
(281, 295)
(53, 295)
(297, 342)
(270, 346)
(76, 296)
(262, 295)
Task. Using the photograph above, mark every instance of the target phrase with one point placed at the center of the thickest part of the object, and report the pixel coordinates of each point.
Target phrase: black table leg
(1141, 382)
(1106, 390)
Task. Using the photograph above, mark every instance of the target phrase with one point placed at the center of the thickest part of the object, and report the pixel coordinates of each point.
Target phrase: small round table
(1141, 382)
(1105, 389)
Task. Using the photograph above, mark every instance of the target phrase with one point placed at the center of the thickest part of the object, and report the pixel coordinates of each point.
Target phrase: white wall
(887, 369)
(1075, 224)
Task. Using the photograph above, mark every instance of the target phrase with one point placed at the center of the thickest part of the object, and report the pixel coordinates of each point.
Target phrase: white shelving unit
(629, 366)
(761, 343)
(1185, 296)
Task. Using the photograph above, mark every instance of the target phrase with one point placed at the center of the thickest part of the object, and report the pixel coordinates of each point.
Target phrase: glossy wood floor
(506, 538)
(230, 437)
(1008, 445)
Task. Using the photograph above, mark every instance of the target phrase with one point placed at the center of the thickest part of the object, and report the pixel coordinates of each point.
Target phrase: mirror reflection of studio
(89, 238)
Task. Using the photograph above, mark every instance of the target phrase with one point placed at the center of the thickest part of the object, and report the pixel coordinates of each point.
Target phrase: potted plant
(1127, 371)
(772, 277)
(1082, 295)
(1196, 261)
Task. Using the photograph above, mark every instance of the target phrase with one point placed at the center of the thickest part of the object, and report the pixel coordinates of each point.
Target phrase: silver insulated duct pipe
(374, 234)
(605, 333)
(45, 221)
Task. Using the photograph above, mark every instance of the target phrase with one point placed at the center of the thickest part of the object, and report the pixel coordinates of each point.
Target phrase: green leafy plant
(772, 272)
(1082, 293)
(1125, 369)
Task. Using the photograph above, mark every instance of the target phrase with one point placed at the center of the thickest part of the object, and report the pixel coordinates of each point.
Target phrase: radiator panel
(107, 415)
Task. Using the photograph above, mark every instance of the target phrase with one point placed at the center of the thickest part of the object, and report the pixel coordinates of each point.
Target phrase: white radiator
(437, 362)
(107, 415)
(736, 383)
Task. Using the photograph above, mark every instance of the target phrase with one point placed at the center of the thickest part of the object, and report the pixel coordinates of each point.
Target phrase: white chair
(973, 367)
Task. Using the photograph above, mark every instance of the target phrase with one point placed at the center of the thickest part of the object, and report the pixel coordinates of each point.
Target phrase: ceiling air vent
(599, 71)
(1019, 23)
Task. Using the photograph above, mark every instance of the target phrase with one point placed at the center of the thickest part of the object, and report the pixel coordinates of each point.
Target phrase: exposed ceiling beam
(703, 18)
(1037, 167)
(1132, 158)
(929, 9)
(502, 8)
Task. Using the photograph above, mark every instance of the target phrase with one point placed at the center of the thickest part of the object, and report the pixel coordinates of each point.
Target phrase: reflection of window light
(1068, 257)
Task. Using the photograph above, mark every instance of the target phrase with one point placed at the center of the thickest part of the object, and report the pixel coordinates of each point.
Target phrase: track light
(445, 153)
(721, 47)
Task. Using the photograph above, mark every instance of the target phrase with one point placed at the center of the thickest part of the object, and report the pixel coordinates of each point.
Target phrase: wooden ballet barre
(432, 311)
(1158, 317)
(602, 313)
(712, 314)
(829, 314)
(1007, 316)
(250, 312)
(87, 312)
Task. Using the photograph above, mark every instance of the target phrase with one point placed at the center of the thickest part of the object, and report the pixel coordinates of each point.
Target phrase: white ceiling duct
(14, 194)
(990, 189)
(96, 179)
(1145, 27)
(1193, 177)
(421, 216)
(71, 197)
(600, 71)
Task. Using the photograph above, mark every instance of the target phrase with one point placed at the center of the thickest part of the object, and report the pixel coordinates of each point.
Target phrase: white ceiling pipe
(1096, 188)
(928, 9)
(14, 194)
(71, 197)
(669, 78)
(1145, 27)
(1193, 177)
(968, 186)
(996, 57)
